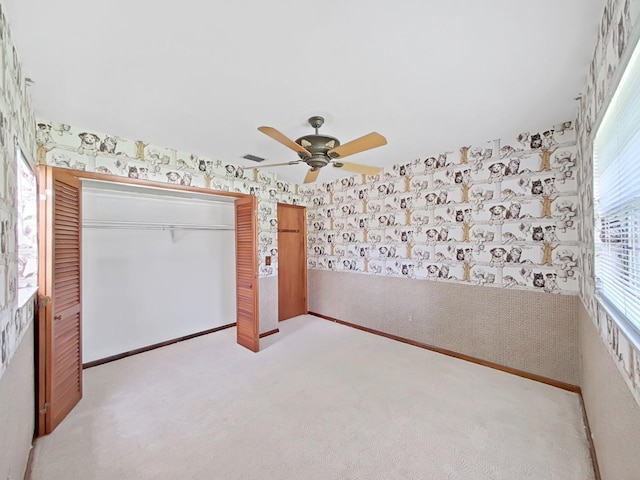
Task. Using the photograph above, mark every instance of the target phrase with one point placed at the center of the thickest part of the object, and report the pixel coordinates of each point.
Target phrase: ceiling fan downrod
(316, 122)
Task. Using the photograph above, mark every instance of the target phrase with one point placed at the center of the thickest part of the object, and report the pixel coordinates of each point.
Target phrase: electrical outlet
(411, 317)
(267, 260)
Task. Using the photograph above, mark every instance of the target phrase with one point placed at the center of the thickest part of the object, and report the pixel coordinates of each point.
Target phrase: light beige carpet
(321, 401)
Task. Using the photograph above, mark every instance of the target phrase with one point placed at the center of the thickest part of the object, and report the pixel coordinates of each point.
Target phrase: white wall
(142, 287)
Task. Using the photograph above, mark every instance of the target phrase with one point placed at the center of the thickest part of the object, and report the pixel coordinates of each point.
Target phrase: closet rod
(152, 226)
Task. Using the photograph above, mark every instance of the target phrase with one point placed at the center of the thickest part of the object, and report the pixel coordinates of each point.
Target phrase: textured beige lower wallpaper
(17, 409)
(614, 415)
(531, 331)
(268, 300)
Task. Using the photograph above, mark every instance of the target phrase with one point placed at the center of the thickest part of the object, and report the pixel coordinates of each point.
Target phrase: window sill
(25, 295)
(628, 329)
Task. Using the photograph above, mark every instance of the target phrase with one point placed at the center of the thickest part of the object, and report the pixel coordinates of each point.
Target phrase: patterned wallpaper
(501, 214)
(508, 213)
(620, 18)
(17, 127)
(62, 145)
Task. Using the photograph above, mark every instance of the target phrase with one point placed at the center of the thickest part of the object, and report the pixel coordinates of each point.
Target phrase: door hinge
(43, 300)
(44, 409)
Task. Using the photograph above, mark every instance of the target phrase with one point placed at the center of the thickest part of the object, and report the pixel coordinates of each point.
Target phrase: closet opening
(158, 266)
(127, 265)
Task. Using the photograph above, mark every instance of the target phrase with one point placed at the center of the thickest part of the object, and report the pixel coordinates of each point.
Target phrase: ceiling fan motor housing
(318, 146)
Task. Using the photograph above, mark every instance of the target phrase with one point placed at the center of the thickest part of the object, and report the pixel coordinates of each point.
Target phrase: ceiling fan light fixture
(317, 161)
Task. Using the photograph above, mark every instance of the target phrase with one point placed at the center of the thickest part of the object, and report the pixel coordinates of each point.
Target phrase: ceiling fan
(318, 150)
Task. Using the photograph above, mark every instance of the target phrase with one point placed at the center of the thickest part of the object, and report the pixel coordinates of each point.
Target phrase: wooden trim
(294, 206)
(120, 356)
(514, 371)
(45, 254)
(33, 166)
(270, 332)
(147, 183)
(306, 259)
(592, 447)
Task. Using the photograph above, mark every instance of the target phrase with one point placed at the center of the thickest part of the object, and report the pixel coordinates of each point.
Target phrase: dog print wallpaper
(512, 213)
(17, 129)
(61, 145)
(620, 18)
(500, 214)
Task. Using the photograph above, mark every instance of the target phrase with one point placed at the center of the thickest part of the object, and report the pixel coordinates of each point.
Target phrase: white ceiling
(202, 76)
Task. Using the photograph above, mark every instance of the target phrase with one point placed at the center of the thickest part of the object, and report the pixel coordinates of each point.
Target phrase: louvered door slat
(246, 274)
(63, 229)
(69, 289)
(66, 255)
(67, 277)
(67, 260)
(64, 330)
(68, 301)
(65, 238)
(68, 251)
(70, 292)
(66, 286)
(69, 269)
(66, 242)
(65, 220)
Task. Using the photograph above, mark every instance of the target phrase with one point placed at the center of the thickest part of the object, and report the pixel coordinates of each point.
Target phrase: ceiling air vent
(253, 158)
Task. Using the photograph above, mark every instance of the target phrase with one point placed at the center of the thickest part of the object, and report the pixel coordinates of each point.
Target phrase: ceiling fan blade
(364, 169)
(369, 141)
(312, 175)
(283, 139)
(293, 162)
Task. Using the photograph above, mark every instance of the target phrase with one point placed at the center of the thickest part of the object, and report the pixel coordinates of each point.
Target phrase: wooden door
(247, 273)
(59, 322)
(292, 261)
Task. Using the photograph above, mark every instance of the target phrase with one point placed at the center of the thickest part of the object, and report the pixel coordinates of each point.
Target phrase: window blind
(617, 197)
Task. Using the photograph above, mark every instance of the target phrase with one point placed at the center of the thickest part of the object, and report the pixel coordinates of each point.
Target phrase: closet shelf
(152, 226)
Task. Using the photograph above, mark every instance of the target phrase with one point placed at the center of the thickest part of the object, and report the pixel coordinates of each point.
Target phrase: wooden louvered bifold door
(63, 329)
(247, 273)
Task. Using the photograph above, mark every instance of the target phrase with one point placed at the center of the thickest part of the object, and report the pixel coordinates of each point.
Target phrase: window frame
(26, 292)
(629, 328)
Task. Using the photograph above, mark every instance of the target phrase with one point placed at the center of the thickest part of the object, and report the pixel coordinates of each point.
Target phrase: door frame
(45, 229)
(304, 249)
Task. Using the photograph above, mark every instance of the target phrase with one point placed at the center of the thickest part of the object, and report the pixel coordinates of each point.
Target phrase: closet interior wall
(156, 265)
